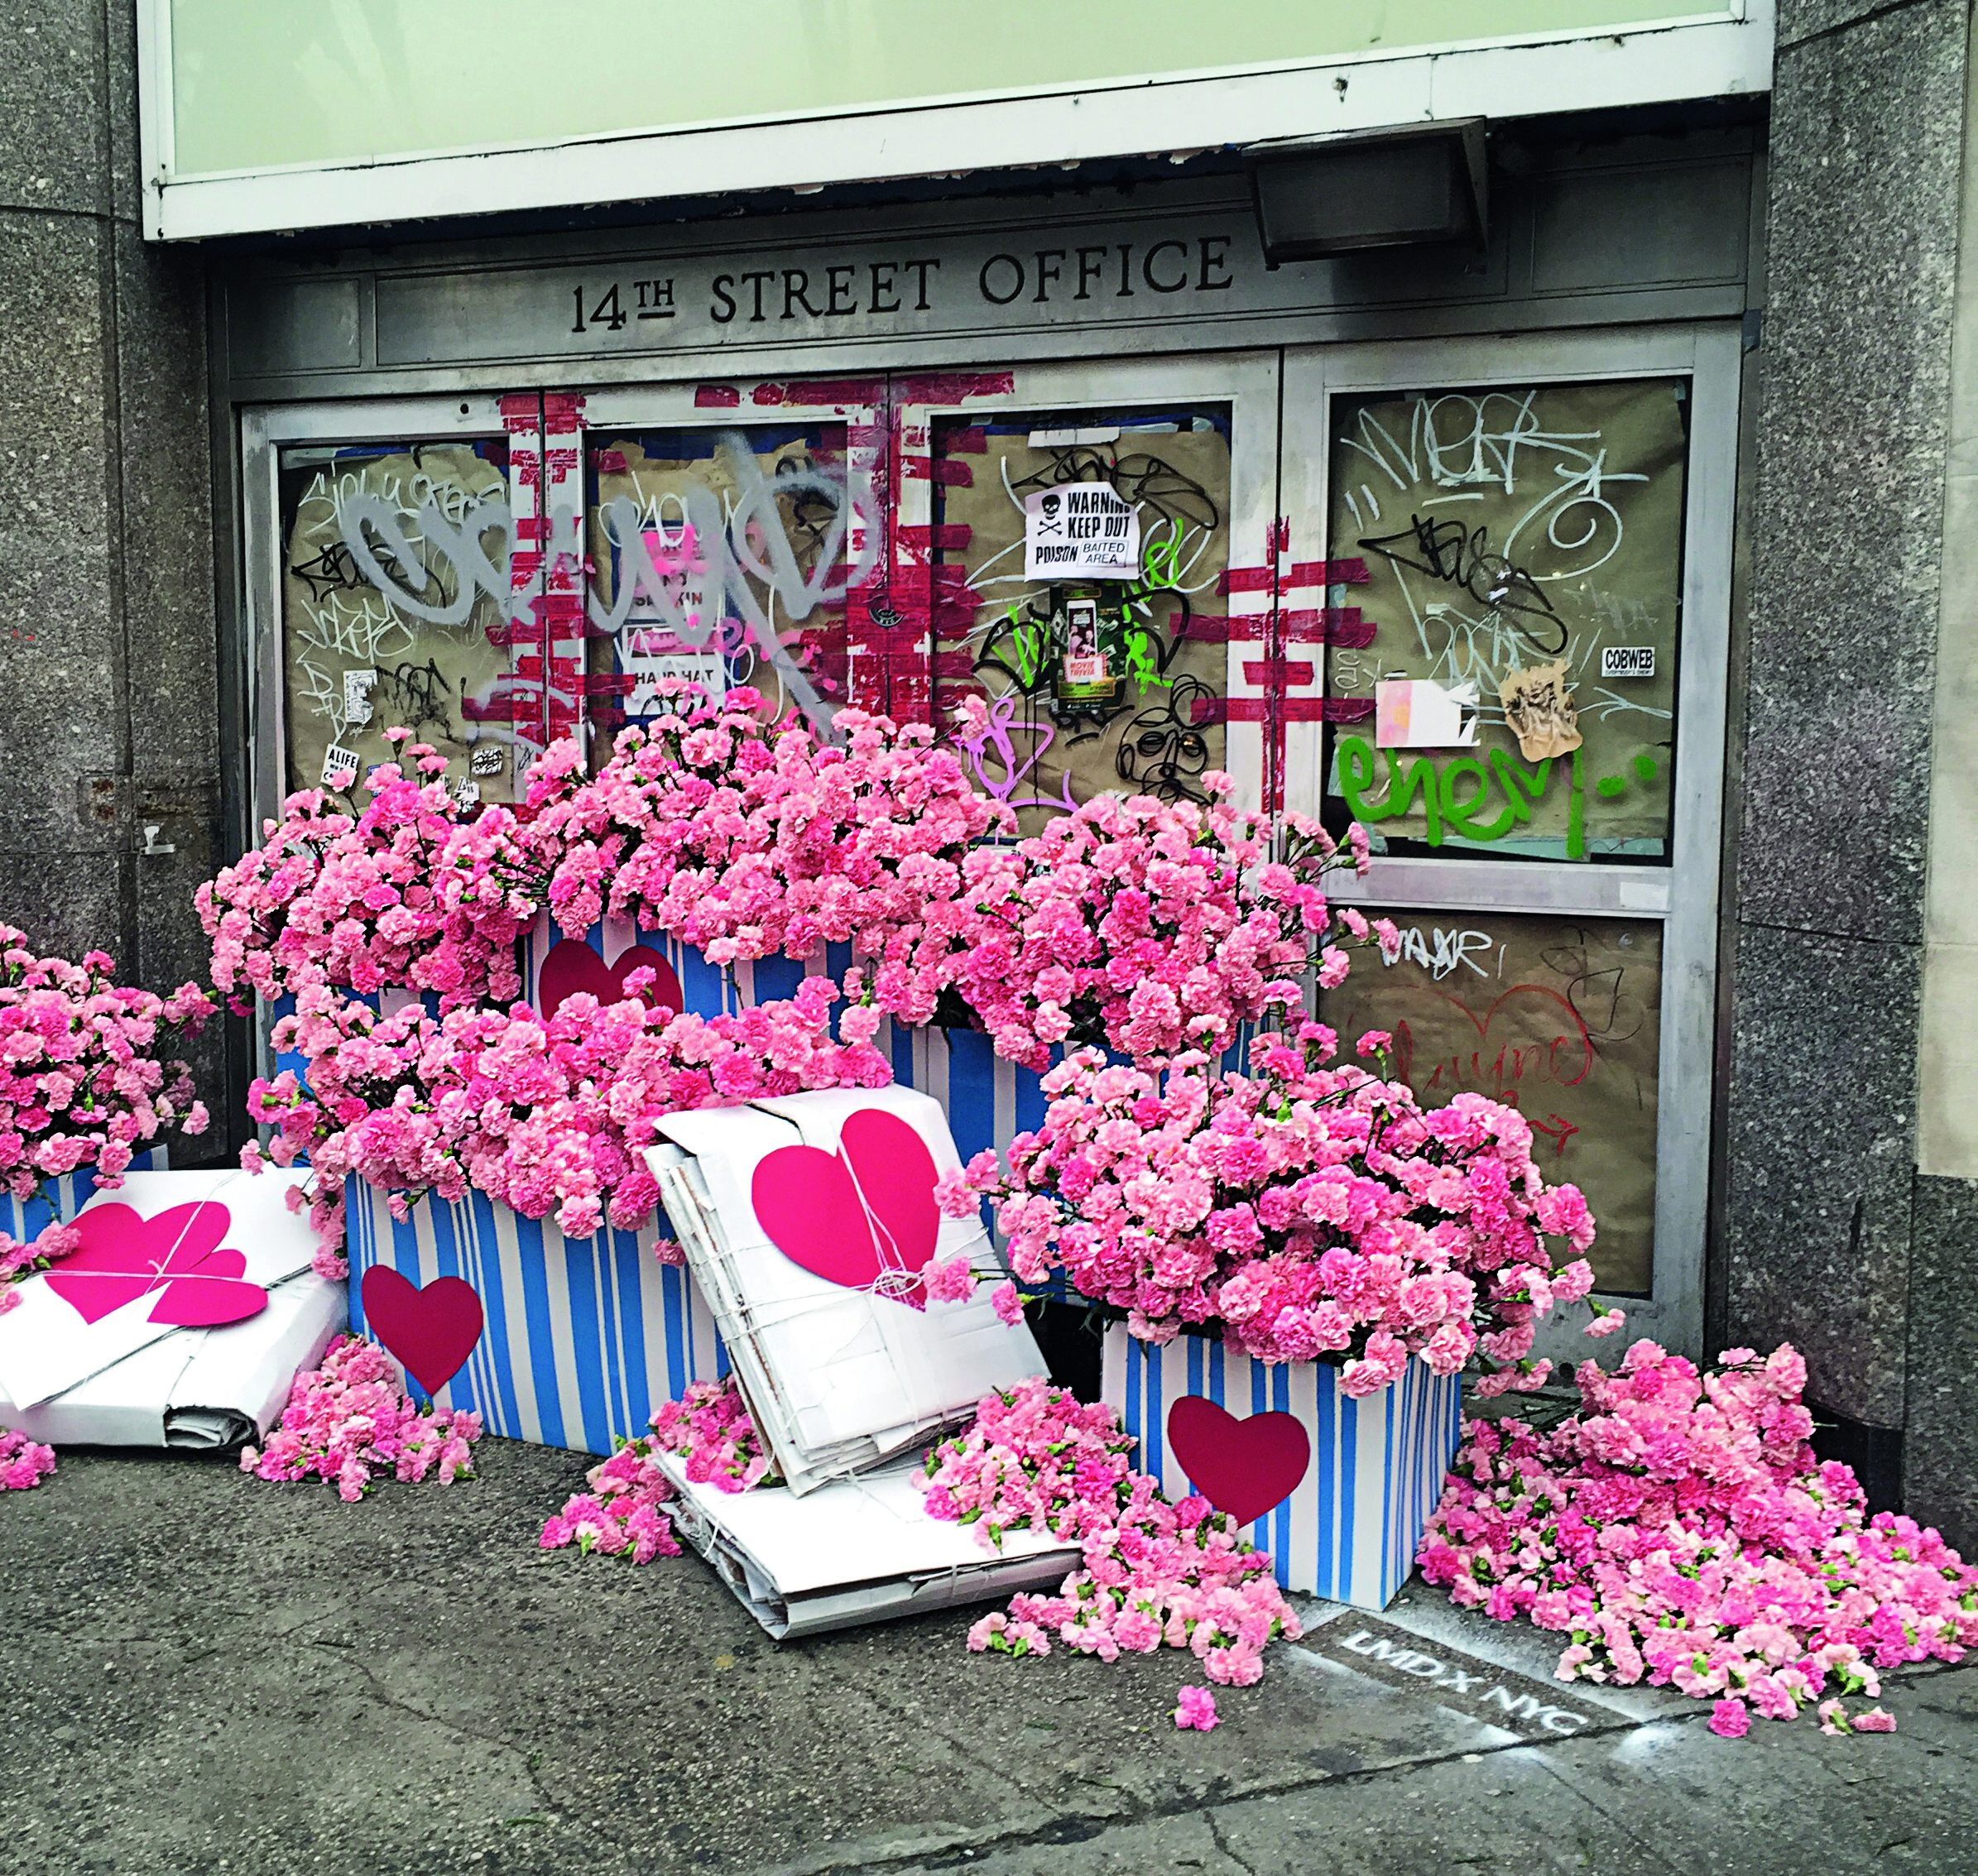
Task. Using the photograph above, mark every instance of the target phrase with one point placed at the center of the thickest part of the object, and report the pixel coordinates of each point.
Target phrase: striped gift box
(21, 1219)
(709, 989)
(585, 1336)
(1349, 1530)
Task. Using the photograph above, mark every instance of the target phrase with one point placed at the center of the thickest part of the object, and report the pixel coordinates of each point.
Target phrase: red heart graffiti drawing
(124, 1256)
(1243, 1467)
(863, 1216)
(571, 966)
(432, 1330)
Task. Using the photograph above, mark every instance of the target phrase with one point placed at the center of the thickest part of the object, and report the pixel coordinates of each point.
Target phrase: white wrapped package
(187, 1259)
(198, 1389)
(804, 1219)
(855, 1551)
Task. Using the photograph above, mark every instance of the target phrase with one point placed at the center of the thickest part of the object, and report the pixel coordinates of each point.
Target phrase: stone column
(1847, 540)
(108, 709)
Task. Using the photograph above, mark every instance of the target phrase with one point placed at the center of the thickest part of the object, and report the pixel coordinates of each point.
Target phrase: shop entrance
(1329, 546)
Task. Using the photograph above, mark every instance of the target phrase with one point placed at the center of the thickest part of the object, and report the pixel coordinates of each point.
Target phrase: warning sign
(1080, 530)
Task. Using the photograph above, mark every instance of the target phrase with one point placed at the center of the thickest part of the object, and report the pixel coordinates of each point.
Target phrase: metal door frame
(1682, 892)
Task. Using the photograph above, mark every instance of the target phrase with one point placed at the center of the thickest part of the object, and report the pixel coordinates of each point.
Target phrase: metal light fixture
(1390, 187)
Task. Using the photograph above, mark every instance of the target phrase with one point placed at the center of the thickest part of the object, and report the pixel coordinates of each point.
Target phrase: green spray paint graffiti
(1454, 796)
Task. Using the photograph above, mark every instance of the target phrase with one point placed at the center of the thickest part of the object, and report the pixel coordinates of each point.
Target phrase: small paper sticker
(340, 767)
(1627, 660)
(489, 759)
(1419, 714)
(466, 793)
(358, 687)
(1085, 531)
(1539, 708)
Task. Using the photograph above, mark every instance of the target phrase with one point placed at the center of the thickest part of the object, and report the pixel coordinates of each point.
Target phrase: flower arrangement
(409, 893)
(349, 1421)
(1312, 1211)
(543, 1113)
(85, 1082)
(747, 839)
(1146, 927)
(1152, 1573)
(1677, 1530)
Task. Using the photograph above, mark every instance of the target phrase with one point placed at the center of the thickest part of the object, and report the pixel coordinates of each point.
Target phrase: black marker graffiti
(1445, 550)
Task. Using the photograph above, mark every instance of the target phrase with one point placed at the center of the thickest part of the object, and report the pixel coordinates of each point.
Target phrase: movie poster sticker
(1082, 530)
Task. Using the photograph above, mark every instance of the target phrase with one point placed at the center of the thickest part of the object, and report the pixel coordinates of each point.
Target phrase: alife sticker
(1080, 530)
(489, 758)
(340, 767)
(1627, 660)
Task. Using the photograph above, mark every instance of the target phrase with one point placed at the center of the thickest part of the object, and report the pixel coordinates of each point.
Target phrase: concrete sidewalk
(202, 1672)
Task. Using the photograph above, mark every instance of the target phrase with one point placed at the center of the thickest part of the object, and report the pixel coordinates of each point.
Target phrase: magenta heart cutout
(1243, 1467)
(572, 967)
(124, 1256)
(431, 1331)
(864, 1216)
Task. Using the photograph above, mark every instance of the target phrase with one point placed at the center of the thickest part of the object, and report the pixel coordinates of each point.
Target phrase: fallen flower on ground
(621, 1516)
(1153, 1573)
(1197, 1709)
(350, 1421)
(23, 1464)
(1680, 1531)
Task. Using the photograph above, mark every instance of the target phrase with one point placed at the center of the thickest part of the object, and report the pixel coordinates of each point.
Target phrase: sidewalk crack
(1222, 1843)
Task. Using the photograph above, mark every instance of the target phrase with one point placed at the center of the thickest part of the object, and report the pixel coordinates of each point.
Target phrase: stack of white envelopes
(180, 1320)
(805, 1221)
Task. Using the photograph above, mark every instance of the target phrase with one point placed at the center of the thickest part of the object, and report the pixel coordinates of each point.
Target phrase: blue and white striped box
(585, 1336)
(1349, 1530)
(59, 1199)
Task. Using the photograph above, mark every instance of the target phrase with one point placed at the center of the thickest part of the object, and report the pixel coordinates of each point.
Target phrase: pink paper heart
(1243, 1467)
(431, 1331)
(124, 1256)
(573, 967)
(865, 1217)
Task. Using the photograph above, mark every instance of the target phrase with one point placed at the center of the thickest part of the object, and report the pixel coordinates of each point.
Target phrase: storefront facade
(652, 415)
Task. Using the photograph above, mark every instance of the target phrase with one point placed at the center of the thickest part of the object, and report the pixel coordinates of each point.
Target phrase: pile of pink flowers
(85, 1081)
(543, 1113)
(350, 1422)
(747, 839)
(621, 1515)
(1152, 1573)
(1146, 927)
(1313, 1212)
(23, 1464)
(409, 893)
(1679, 1530)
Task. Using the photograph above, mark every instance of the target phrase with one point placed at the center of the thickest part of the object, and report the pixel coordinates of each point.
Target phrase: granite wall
(1825, 1239)
(108, 709)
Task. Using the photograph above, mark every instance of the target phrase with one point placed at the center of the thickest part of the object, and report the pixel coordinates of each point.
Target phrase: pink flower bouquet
(1310, 1212)
(84, 1084)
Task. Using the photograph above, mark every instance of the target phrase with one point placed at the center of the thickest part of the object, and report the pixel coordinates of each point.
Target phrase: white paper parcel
(801, 1219)
(855, 1551)
(180, 1322)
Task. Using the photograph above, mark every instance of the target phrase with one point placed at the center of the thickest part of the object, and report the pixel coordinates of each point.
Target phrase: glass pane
(1094, 684)
(394, 597)
(723, 556)
(1559, 1017)
(1527, 542)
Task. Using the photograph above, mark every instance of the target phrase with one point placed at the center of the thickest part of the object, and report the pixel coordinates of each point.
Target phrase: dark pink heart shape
(864, 1216)
(1243, 1467)
(432, 1330)
(124, 1256)
(573, 967)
